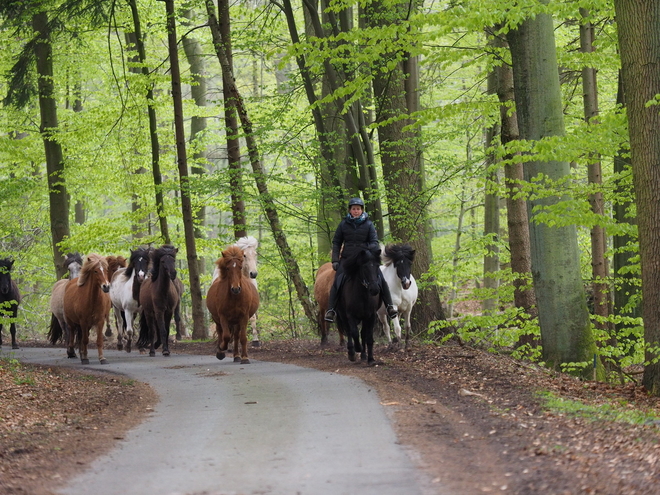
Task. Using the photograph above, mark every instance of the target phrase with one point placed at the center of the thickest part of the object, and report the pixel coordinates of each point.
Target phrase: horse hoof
(70, 354)
(351, 356)
(166, 353)
(237, 359)
(84, 361)
(104, 361)
(119, 347)
(15, 347)
(128, 347)
(245, 361)
(256, 343)
(152, 354)
(220, 355)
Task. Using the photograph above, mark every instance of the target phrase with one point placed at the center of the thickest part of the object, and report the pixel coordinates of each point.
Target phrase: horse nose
(105, 288)
(236, 290)
(253, 274)
(140, 276)
(405, 283)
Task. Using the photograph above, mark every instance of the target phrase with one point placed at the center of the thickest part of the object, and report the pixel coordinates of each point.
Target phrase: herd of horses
(147, 285)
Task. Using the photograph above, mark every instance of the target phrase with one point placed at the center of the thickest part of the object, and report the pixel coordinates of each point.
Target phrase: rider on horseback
(355, 232)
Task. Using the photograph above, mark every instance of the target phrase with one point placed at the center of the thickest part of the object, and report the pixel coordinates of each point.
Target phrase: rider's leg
(332, 300)
(387, 297)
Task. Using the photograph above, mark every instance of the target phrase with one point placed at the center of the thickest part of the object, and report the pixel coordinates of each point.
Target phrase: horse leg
(82, 346)
(255, 332)
(12, 330)
(243, 338)
(71, 341)
(396, 323)
(165, 333)
(121, 332)
(382, 317)
(0, 335)
(128, 329)
(368, 340)
(99, 342)
(222, 329)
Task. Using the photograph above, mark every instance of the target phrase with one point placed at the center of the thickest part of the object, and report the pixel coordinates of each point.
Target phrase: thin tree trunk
(268, 205)
(199, 326)
(57, 193)
(639, 46)
(563, 316)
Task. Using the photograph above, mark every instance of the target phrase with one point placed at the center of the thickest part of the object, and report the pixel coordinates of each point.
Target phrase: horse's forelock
(89, 264)
(394, 252)
(6, 263)
(247, 242)
(166, 250)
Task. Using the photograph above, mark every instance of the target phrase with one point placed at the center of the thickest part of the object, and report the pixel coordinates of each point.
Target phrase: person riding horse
(354, 232)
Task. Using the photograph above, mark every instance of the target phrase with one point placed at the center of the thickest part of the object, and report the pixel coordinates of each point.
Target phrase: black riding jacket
(353, 234)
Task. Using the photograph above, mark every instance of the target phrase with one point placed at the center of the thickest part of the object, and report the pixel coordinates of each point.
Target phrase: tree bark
(563, 316)
(639, 45)
(199, 326)
(57, 193)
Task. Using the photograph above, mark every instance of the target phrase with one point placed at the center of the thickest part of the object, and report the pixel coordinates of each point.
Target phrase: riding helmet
(355, 201)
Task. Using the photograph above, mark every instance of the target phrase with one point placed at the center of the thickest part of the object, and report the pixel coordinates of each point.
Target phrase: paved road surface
(222, 428)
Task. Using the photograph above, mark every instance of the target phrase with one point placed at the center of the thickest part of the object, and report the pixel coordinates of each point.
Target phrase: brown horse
(159, 298)
(232, 300)
(325, 276)
(86, 306)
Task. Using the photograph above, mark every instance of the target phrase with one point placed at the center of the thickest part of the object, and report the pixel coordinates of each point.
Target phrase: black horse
(10, 298)
(358, 302)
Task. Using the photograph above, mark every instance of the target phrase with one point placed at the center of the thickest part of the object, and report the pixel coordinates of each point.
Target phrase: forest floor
(476, 422)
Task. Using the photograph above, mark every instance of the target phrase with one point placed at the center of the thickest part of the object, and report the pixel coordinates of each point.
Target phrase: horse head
(402, 257)
(5, 276)
(95, 266)
(164, 259)
(249, 247)
(138, 263)
(231, 267)
(73, 262)
(365, 266)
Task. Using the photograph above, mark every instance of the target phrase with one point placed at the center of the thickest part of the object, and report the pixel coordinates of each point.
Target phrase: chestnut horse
(10, 298)
(159, 299)
(86, 306)
(325, 277)
(232, 299)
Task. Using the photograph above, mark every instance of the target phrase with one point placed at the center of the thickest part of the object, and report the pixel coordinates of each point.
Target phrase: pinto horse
(86, 306)
(325, 276)
(125, 295)
(397, 265)
(10, 298)
(358, 301)
(159, 298)
(232, 299)
(72, 262)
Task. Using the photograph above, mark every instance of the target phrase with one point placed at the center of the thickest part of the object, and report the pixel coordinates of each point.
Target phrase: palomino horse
(72, 262)
(249, 247)
(86, 306)
(358, 301)
(125, 295)
(325, 277)
(10, 298)
(232, 299)
(159, 298)
(398, 260)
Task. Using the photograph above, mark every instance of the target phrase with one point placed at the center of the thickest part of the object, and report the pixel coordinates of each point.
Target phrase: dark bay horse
(325, 276)
(159, 298)
(358, 301)
(10, 298)
(125, 295)
(86, 307)
(73, 263)
(232, 299)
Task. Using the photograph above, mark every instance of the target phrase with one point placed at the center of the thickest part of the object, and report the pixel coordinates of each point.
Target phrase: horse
(249, 247)
(10, 298)
(159, 298)
(232, 299)
(114, 264)
(73, 263)
(125, 295)
(325, 276)
(86, 306)
(358, 301)
(397, 264)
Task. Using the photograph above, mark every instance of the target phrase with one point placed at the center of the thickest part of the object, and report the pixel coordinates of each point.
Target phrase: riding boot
(387, 297)
(332, 300)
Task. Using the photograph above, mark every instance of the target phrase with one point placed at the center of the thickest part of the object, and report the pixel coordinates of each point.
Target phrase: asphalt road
(223, 428)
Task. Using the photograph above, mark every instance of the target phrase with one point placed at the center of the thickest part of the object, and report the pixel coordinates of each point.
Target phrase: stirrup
(330, 315)
(392, 311)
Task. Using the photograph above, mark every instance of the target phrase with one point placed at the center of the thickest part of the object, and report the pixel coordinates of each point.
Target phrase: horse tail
(143, 339)
(55, 332)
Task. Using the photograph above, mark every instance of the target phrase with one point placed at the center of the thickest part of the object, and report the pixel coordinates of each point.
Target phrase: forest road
(222, 428)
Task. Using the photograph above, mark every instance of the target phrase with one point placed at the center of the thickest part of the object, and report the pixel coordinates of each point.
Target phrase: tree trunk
(639, 46)
(199, 326)
(153, 127)
(563, 316)
(266, 198)
(57, 193)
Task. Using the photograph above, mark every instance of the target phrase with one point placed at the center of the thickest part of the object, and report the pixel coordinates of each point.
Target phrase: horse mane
(91, 262)
(115, 263)
(7, 263)
(165, 250)
(247, 242)
(353, 263)
(395, 252)
(139, 252)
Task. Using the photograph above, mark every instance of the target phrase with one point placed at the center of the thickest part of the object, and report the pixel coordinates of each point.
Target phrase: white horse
(249, 246)
(72, 262)
(397, 264)
(124, 294)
